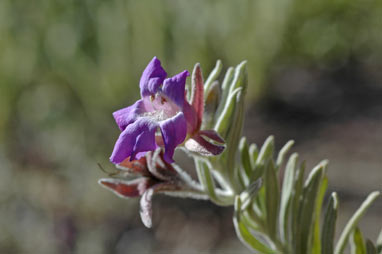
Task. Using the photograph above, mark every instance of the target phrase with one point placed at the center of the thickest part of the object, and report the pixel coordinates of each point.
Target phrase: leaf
(316, 248)
(307, 208)
(272, 197)
(211, 102)
(370, 248)
(245, 235)
(354, 221)
(286, 194)
(225, 90)
(206, 180)
(266, 151)
(197, 93)
(357, 243)
(247, 196)
(296, 204)
(225, 119)
(379, 243)
(213, 75)
(245, 158)
(329, 225)
(253, 153)
(283, 152)
(239, 79)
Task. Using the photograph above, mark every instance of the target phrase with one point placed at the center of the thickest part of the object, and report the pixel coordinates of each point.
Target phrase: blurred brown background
(65, 65)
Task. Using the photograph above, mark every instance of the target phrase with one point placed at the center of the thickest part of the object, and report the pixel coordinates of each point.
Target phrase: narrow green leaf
(266, 151)
(341, 244)
(296, 204)
(329, 225)
(272, 197)
(225, 89)
(225, 119)
(286, 194)
(213, 75)
(212, 98)
(245, 158)
(357, 244)
(247, 196)
(239, 80)
(228, 156)
(370, 248)
(316, 247)
(379, 242)
(207, 181)
(253, 153)
(244, 233)
(307, 208)
(283, 152)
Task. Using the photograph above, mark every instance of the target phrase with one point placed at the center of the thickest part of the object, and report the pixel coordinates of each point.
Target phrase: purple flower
(163, 117)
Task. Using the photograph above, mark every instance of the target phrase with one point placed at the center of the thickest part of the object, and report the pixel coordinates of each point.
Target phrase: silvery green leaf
(253, 153)
(329, 225)
(225, 89)
(283, 152)
(370, 248)
(379, 243)
(341, 244)
(197, 93)
(212, 98)
(307, 209)
(247, 195)
(245, 158)
(245, 235)
(206, 179)
(316, 247)
(225, 119)
(239, 80)
(213, 75)
(261, 158)
(357, 244)
(297, 198)
(266, 151)
(286, 194)
(272, 197)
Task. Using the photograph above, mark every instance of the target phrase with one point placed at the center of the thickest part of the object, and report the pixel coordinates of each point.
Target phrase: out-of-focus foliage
(65, 65)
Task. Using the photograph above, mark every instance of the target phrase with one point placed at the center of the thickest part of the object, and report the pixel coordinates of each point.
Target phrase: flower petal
(152, 77)
(126, 116)
(174, 131)
(135, 167)
(201, 146)
(173, 88)
(127, 189)
(212, 134)
(137, 137)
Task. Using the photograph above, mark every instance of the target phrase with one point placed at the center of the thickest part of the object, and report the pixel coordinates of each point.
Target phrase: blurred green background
(65, 65)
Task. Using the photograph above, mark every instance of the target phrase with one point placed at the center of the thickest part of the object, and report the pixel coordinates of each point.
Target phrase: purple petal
(127, 189)
(212, 135)
(152, 77)
(173, 88)
(137, 137)
(174, 131)
(126, 116)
